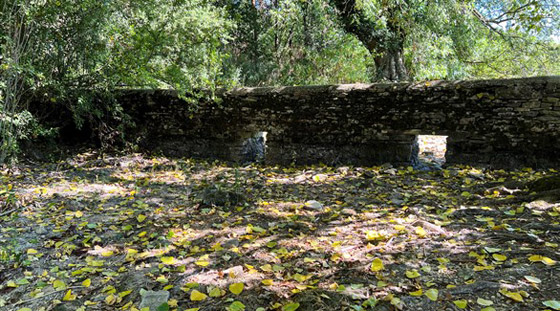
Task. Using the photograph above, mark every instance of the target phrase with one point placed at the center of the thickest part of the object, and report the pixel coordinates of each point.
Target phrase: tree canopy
(56, 49)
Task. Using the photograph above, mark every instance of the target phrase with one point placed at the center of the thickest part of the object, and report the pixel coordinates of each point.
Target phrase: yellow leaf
(266, 268)
(399, 227)
(236, 288)
(481, 268)
(411, 274)
(96, 263)
(420, 232)
(141, 218)
(111, 299)
(373, 235)
(376, 265)
(417, 293)
(499, 257)
(215, 292)
(432, 293)
(173, 303)
(535, 258)
(197, 296)
(59, 285)
(168, 260)
(11, 284)
(68, 296)
(107, 253)
(162, 279)
(86, 283)
(79, 214)
(512, 295)
(545, 260)
(300, 277)
(31, 251)
(461, 304)
(267, 282)
(202, 261)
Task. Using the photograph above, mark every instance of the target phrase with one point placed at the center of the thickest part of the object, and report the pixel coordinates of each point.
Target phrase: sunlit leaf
(376, 265)
(432, 293)
(461, 304)
(512, 295)
(417, 293)
(484, 302)
(236, 288)
(290, 307)
(499, 257)
(168, 260)
(554, 304)
(411, 274)
(236, 306)
(69, 296)
(547, 261)
(197, 296)
(59, 285)
(420, 232)
(532, 279)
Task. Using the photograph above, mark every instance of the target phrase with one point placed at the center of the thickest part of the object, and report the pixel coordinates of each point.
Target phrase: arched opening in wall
(253, 149)
(430, 150)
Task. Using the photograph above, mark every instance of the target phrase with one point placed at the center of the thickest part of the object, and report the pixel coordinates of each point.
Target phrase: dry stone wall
(500, 123)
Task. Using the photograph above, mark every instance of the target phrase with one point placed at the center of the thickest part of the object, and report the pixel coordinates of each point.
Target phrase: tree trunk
(387, 49)
(390, 66)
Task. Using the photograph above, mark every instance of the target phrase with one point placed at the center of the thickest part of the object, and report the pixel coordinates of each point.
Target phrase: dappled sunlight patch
(66, 189)
(348, 237)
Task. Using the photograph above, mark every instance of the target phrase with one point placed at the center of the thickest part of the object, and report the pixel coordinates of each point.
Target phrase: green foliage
(294, 43)
(74, 54)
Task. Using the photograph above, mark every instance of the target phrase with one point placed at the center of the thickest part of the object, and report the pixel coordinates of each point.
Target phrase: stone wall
(501, 123)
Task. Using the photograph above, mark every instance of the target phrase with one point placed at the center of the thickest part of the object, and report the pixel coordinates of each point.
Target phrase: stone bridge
(499, 123)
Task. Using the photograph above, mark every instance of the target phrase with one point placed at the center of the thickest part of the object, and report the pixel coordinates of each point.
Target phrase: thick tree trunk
(387, 50)
(390, 66)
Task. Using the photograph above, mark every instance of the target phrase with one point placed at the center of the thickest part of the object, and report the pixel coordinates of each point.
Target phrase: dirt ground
(92, 233)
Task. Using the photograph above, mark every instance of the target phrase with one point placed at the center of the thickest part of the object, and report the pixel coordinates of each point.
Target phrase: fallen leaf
(411, 274)
(197, 296)
(236, 288)
(290, 307)
(484, 302)
(376, 265)
(554, 304)
(461, 304)
(432, 293)
(69, 296)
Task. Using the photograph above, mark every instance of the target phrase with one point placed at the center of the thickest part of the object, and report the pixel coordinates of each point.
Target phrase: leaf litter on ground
(92, 233)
